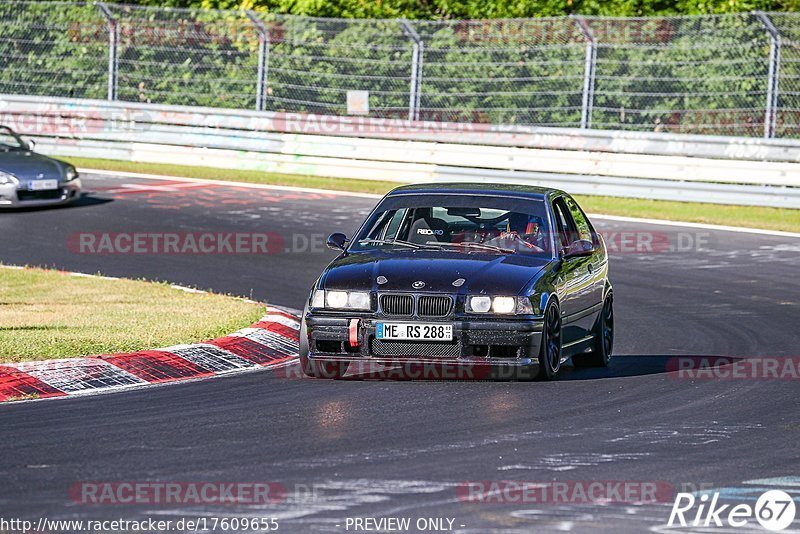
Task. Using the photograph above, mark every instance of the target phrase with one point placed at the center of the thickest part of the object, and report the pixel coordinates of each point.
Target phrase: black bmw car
(509, 278)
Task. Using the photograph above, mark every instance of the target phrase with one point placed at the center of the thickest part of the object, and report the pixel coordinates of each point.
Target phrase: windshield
(458, 223)
(9, 140)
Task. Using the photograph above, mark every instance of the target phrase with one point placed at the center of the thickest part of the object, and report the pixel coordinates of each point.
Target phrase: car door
(598, 261)
(576, 278)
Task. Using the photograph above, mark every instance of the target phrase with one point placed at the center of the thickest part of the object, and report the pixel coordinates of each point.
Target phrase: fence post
(113, 42)
(415, 89)
(263, 59)
(771, 113)
(588, 71)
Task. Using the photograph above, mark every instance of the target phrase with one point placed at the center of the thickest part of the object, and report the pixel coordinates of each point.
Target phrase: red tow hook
(353, 330)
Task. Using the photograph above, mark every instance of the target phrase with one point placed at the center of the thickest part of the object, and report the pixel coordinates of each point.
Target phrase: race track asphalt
(382, 448)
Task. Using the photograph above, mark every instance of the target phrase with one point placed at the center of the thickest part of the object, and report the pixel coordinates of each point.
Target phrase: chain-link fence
(788, 74)
(314, 62)
(185, 56)
(722, 74)
(689, 74)
(49, 48)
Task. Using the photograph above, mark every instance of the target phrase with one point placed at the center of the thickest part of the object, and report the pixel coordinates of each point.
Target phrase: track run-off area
(331, 451)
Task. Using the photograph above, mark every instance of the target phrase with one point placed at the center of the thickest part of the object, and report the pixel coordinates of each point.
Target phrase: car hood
(482, 273)
(27, 165)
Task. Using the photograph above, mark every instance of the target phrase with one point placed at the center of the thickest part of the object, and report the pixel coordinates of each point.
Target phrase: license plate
(42, 185)
(414, 331)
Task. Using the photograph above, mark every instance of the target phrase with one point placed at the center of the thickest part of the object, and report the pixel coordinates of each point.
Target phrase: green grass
(253, 177)
(742, 216)
(48, 314)
(787, 220)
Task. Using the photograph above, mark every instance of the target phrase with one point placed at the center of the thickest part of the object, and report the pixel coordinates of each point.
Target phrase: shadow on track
(676, 365)
(86, 201)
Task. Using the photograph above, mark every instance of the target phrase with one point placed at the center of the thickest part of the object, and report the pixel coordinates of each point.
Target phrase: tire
(550, 350)
(302, 347)
(603, 342)
(315, 369)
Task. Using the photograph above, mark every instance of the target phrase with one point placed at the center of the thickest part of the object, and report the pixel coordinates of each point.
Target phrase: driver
(522, 230)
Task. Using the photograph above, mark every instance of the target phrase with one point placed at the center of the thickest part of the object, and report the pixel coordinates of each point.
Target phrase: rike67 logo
(774, 510)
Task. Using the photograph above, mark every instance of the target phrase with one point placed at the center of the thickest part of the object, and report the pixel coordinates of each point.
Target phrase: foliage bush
(483, 9)
(682, 74)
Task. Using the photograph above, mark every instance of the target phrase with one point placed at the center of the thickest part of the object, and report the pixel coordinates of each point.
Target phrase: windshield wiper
(481, 246)
(400, 242)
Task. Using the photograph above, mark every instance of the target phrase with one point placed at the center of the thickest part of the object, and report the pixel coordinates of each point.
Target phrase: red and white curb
(271, 342)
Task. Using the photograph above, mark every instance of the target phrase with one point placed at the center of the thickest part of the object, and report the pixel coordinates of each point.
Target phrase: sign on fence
(358, 102)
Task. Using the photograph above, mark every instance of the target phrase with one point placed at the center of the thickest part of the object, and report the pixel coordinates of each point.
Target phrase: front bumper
(13, 197)
(503, 347)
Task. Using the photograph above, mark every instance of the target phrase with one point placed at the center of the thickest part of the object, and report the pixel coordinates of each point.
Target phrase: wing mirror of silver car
(31, 144)
(581, 247)
(337, 241)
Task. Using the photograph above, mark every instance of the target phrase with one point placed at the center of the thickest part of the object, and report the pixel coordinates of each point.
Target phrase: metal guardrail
(658, 166)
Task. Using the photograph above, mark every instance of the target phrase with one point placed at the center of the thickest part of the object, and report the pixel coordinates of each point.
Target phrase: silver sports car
(28, 179)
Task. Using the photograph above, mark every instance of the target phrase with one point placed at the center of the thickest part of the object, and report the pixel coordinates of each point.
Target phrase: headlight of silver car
(501, 305)
(341, 300)
(6, 178)
(71, 174)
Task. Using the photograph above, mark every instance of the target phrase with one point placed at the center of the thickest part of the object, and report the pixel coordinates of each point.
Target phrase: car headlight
(342, 300)
(6, 178)
(501, 305)
(71, 174)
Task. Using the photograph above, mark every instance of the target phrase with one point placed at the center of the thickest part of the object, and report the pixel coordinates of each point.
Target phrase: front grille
(53, 194)
(434, 306)
(397, 304)
(415, 349)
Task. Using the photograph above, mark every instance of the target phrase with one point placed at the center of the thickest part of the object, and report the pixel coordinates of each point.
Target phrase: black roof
(481, 188)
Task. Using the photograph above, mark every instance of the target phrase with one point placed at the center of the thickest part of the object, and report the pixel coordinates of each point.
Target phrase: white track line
(660, 222)
(663, 222)
(248, 185)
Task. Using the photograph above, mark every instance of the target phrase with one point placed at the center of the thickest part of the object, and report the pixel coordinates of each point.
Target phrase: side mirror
(337, 241)
(30, 144)
(581, 247)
